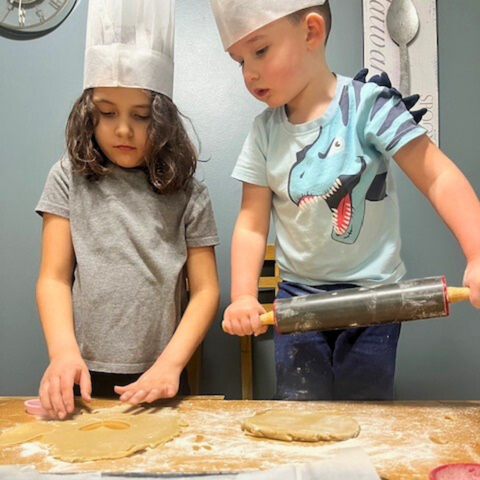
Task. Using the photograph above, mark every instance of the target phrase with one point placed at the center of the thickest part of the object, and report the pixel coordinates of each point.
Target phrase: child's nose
(124, 129)
(250, 74)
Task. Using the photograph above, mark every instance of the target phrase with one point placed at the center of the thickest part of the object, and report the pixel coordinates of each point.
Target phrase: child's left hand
(472, 279)
(159, 381)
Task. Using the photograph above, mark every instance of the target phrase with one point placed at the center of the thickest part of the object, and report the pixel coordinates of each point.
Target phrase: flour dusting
(404, 440)
(35, 448)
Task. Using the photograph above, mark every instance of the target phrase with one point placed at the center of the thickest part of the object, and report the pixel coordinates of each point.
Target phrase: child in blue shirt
(318, 158)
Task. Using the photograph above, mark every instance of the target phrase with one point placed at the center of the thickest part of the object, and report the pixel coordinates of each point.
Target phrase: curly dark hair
(171, 158)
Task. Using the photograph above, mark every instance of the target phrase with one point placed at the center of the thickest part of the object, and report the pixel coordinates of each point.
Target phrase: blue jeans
(352, 364)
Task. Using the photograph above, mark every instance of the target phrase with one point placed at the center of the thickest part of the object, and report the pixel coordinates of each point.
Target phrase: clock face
(23, 17)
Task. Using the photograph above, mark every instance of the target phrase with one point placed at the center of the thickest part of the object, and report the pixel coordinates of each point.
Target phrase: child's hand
(56, 387)
(472, 279)
(159, 381)
(242, 317)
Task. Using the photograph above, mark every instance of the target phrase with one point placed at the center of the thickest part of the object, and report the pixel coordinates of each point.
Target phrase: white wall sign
(381, 53)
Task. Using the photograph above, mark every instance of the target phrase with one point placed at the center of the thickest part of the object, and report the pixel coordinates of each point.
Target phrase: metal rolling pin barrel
(361, 307)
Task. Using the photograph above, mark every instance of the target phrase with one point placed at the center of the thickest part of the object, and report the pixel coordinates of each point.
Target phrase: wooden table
(404, 440)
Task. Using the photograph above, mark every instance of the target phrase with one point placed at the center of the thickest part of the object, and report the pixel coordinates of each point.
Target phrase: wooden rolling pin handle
(458, 294)
(268, 318)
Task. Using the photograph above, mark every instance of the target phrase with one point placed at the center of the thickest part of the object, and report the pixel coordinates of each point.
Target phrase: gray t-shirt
(130, 248)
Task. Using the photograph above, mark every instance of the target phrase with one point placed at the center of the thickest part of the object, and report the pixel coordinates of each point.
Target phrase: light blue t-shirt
(335, 207)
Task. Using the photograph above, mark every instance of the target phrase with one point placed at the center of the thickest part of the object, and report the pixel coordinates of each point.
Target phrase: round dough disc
(311, 426)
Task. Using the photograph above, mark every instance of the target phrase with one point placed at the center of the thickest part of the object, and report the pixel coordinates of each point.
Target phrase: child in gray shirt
(123, 221)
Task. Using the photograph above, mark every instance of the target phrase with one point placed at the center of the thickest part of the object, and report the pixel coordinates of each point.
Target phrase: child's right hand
(242, 317)
(56, 387)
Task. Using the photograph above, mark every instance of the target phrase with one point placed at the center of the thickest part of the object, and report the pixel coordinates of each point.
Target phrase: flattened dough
(26, 432)
(105, 434)
(311, 426)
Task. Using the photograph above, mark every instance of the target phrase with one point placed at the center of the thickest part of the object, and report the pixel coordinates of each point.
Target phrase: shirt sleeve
(251, 166)
(55, 196)
(201, 230)
(389, 125)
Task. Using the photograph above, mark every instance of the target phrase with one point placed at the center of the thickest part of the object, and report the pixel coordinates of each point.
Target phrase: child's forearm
(447, 189)
(196, 321)
(462, 215)
(248, 253)
(54, 300)
(201, 309)
(249, 240)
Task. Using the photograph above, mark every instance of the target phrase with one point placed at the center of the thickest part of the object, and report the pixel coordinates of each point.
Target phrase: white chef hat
(238, 18)
(130, 44)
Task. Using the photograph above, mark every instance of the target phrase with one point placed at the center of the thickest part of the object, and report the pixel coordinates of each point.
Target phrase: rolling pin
(363, 307)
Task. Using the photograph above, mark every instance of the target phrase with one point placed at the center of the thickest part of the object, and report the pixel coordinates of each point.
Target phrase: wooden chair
(267, 289)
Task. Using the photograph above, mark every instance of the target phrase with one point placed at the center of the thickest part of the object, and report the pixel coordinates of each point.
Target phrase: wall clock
(26, 18)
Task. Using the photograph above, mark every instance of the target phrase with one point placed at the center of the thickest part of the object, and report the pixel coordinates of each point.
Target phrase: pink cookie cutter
(456, 471)
(34, 407)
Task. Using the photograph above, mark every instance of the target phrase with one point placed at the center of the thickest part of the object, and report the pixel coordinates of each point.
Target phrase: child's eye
(261, 52)
(107, 114)
(143, 117)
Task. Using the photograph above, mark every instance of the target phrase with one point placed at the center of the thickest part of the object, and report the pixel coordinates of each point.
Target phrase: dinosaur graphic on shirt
(324, 171)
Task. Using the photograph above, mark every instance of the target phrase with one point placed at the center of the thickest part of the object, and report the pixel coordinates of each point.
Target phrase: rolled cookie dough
(26, 432)
(105, 434)
(312, 426)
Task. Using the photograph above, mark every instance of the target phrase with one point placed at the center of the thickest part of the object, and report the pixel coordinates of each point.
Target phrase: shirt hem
(418, 132)
(46, 207)
(362, 282)
(203, 242)
(118, 368)
(248, 177)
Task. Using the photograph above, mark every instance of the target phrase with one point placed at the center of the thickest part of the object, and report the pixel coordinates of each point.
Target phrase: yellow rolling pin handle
(266, 319)
(458, 294)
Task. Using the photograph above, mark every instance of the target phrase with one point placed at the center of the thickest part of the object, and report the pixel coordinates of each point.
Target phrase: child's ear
(316, 30)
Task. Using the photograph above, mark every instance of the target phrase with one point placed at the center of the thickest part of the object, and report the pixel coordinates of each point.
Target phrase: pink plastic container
(34, 407)
(456, 471)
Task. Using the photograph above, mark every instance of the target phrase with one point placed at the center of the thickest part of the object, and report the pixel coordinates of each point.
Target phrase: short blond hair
(323, 10)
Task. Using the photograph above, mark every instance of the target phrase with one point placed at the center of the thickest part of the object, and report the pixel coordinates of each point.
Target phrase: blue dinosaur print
(323, 170)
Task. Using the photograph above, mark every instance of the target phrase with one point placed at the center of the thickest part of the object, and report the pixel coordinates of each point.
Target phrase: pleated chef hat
(130, 44)
(238, 18)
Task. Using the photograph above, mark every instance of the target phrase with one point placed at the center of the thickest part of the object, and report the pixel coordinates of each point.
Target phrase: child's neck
(313, 101)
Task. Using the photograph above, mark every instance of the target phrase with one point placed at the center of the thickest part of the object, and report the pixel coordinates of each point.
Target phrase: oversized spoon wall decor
(400, 38)
(403, 25)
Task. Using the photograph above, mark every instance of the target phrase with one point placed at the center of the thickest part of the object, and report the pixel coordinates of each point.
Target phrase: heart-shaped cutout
(111, 424)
